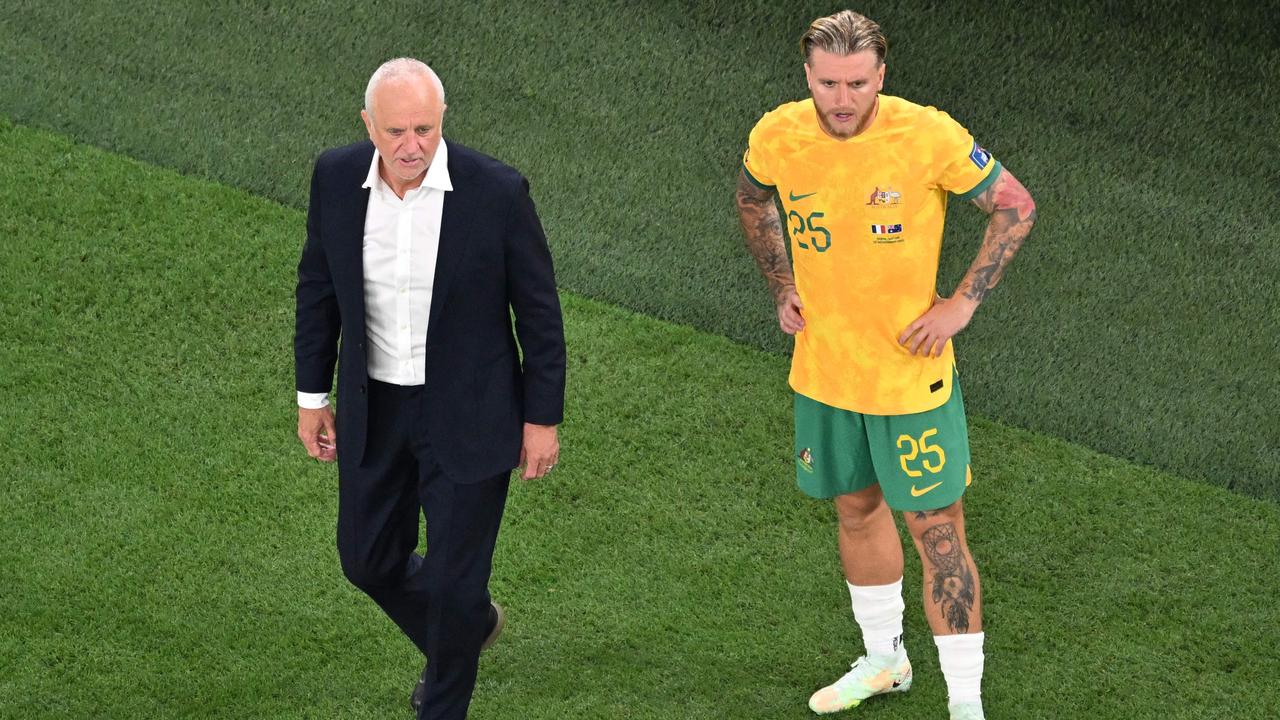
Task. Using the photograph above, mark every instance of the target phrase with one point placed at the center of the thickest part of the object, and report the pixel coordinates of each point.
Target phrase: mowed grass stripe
(168, 550)
(1133, 321)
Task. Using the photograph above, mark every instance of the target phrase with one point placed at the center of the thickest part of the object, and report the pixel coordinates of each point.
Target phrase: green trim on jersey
(986, 183)
(753, 179)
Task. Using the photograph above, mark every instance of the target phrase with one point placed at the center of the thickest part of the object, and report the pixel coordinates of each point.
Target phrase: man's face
(404, 124)
(844, 89)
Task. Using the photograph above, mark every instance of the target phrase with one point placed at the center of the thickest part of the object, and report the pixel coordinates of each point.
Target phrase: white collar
(437, 173)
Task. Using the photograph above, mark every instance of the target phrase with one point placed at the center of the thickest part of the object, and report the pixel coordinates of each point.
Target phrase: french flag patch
(886, 229)
(979, 156)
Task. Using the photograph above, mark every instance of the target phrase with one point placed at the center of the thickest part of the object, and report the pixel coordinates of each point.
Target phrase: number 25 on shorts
(922, 449)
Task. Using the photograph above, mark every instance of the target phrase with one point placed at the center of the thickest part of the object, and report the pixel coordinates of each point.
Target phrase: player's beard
(845, 130)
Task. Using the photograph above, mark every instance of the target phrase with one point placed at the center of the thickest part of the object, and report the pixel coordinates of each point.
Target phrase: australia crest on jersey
(888, 197)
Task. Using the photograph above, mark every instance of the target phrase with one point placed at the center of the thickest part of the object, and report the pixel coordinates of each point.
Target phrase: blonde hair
(844, 33)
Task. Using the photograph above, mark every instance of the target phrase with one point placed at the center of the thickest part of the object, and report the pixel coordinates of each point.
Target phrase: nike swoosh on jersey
(795, 197)
(918, 493)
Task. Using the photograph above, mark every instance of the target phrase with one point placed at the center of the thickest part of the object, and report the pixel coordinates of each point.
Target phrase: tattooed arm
(1012, 212)
(763, 230)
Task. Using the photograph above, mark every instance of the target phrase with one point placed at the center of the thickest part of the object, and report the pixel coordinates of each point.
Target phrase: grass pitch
(168, 548)
(1136, 320)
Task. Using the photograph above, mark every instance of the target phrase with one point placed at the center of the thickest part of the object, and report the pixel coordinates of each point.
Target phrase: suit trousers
(440, 600)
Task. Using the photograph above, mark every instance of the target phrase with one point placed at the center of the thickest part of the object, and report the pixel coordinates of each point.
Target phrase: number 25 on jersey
(805, 229)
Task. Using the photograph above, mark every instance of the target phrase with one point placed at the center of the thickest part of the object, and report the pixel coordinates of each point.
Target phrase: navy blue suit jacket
(493, 265)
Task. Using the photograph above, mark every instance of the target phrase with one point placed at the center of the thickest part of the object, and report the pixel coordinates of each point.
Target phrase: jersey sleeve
(966, 169)
(756, 160)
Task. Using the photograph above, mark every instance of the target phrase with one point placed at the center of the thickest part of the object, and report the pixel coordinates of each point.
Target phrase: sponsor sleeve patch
(979, 156)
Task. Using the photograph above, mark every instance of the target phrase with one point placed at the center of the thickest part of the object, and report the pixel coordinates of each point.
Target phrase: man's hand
(318, 433)
(540, 451)
(1012, 212)
(789, 306)
(929, 334)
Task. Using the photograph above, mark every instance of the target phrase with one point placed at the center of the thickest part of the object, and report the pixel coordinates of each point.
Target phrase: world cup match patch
(887, 234)
(979, 156)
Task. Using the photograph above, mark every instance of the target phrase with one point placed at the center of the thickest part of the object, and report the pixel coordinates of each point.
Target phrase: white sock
(878, 610)
(961, 659)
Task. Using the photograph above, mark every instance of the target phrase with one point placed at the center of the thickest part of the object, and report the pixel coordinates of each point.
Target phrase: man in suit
(418, 254)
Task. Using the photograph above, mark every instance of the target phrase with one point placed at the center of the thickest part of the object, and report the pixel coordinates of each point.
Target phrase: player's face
(404, 124)
(844, 89)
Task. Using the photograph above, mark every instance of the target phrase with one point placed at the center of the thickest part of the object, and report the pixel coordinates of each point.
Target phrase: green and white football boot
(866, 678)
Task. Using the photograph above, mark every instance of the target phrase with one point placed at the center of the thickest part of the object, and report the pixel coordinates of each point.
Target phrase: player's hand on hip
(790, 318)
(928, 335)
(540, 450)
(318, 432)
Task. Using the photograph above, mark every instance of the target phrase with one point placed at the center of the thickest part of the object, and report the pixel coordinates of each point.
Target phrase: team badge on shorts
(805, 458)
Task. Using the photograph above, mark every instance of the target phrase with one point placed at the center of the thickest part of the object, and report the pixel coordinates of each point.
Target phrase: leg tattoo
(952, 580)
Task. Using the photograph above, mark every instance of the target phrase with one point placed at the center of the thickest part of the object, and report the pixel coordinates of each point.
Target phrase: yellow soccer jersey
(865, 220)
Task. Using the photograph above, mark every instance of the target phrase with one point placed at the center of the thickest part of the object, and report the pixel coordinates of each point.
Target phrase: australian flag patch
(979, 156)
(887, 229)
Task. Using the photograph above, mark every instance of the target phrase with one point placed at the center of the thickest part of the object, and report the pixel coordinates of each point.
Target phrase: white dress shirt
(401, 241)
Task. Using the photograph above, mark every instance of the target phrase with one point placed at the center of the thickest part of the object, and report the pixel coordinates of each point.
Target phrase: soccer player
(863, 179)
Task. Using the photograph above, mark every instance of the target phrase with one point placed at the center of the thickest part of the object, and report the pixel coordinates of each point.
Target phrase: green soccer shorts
(921, 460)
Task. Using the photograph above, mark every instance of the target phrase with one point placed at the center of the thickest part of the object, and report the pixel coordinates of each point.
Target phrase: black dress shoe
(497, 619)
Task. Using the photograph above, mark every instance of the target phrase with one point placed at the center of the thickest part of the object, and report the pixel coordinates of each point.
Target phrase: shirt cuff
(312, 401)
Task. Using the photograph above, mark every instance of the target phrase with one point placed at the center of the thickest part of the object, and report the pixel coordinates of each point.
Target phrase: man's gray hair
(400, 67)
